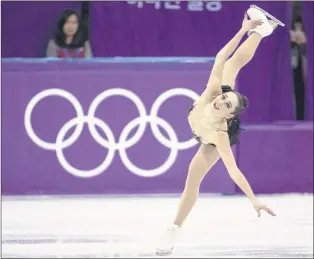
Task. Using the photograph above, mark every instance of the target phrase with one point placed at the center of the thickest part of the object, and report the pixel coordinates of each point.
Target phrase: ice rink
(103, 226)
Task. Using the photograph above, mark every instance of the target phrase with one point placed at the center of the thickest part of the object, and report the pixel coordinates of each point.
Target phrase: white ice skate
(168, 241)
(268, 26)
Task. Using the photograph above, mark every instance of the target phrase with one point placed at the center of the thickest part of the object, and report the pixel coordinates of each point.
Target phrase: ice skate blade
(268, 15)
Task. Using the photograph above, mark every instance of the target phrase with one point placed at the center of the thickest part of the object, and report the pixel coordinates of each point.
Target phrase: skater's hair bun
(243, 103)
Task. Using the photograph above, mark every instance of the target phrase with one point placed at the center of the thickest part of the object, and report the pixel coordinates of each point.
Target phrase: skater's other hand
(259, 207)
(250, 24)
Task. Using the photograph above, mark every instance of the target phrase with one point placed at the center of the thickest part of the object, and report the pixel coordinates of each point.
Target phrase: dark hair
(78, 40)
(243, 103)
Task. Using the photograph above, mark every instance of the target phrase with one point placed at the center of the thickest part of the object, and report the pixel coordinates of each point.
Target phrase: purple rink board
(279, 157)
(30, 168)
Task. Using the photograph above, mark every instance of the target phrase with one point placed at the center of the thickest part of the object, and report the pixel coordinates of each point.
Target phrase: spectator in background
(69, 40)
(298, 62)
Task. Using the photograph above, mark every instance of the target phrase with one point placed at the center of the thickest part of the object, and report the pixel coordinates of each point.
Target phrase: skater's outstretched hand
(259, 207)
(250, 24)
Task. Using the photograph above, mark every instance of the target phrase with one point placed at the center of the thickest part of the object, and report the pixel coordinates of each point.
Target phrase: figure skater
(214, 119)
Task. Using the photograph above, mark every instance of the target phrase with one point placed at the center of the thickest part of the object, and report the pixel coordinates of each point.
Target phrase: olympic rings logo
(111, 144)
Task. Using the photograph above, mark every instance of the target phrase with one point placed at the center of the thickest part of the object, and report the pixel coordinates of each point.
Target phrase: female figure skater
(214, 119)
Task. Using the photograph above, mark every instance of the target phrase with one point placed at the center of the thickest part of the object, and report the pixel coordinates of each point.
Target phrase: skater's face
(225, 105)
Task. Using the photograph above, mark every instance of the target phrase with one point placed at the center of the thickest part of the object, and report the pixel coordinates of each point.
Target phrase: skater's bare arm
(225, 151)
(214, 82)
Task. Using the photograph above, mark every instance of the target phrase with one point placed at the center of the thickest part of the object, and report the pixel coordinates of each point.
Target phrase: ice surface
(104, 226)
